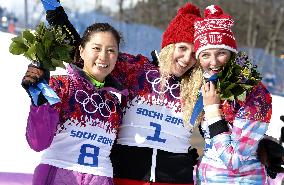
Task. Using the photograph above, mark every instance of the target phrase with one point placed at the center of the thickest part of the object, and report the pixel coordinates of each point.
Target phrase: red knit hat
(214, 31)
(181, 28)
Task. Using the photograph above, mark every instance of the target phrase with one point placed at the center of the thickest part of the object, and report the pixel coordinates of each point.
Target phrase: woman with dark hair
(77, 133)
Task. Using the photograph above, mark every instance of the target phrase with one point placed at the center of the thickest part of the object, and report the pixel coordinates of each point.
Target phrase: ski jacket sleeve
(43, 120)
(240, 142)
(130, 70)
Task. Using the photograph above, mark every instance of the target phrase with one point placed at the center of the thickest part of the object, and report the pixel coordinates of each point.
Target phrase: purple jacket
(43, 120)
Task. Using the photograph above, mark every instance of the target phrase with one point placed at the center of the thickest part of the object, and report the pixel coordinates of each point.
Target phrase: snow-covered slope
(16, 156)
(276, 124)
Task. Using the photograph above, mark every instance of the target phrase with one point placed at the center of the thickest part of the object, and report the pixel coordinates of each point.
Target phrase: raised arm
(56, 16)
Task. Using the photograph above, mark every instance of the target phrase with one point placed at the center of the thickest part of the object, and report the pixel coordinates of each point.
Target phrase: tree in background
(259, 22)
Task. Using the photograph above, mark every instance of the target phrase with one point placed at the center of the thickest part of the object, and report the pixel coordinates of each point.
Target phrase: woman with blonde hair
(154, 139)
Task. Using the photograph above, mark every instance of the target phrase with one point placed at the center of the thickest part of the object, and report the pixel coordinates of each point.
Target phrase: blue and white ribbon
(46, 90)
(198, 107)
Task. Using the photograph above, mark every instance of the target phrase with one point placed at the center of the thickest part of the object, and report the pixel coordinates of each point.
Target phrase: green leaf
(242, 97)
(31, 53)
(39, 48)
(48, 66)
(40, 30)
(47, 45)
(17, 48)
(237, 90)
(18, 39)
(65, 55)
(28, 36)
(246, 86)
(231, 86)
(57, 63)
(237, 78)
(62, 53)
(224, 85)
(47, 41)
(227, 95)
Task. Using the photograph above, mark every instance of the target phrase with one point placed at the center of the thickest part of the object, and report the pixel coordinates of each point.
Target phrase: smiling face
(213, 60)
(183, 58)
(99, 55)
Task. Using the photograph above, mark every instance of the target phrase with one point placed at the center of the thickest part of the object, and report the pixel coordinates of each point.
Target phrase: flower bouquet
(238, 78)
(47, 48)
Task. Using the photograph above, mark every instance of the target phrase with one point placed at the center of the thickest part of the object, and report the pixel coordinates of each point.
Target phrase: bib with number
(155, 121)
(89, 120)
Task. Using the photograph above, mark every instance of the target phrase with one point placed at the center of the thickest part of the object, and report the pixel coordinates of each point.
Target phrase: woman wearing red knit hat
(237, 107)
(153, 141)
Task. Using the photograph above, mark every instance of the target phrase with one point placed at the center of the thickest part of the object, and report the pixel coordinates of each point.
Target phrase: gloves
(193, 152)
(50, 4)
(155, 59)
(282, 118)
(57, 17)
(34, 75)
(282, 136)
(271, 154)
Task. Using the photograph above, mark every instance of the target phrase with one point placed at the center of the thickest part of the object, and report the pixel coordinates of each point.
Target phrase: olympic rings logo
(155, 84)
(94, 103)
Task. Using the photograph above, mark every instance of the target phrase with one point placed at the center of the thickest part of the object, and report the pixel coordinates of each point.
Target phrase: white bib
(154, 126)
(84, 146)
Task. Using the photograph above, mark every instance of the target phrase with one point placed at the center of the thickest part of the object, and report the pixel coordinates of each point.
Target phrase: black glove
(155, 59)
(282, 118)
(271, 154)
(34, 75)
(193, 152)
(200, 130)
(58, 18)
(282, 135)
